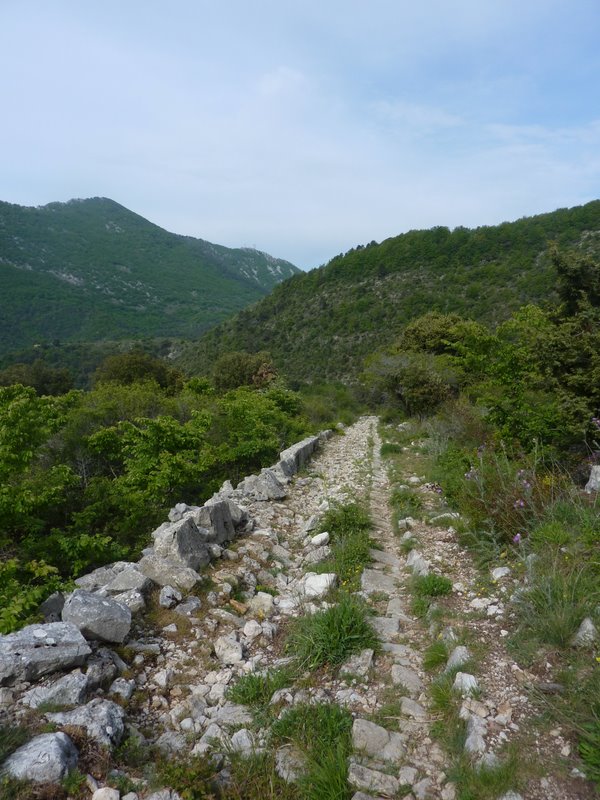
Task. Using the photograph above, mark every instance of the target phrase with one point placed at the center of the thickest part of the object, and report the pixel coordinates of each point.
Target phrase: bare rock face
(38, 650)
(97, 617)
(102, 720)
(45, 759)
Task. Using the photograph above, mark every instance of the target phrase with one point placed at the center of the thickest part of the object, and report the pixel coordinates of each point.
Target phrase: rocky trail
(198, 621)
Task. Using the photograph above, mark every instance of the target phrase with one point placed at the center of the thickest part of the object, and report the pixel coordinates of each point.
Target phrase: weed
(11, 738)
(73, 783)
(312, 727)
(390, 448)
(255, 776)
(389, 714)
(348, 526)
(559, 596)
(405, 503)
(261, 587)
(481, 782)
(408, 544)
(256, 689)
(443, 697)
(431, 585)
(342, 520)
(435, 655)
(420, 606)
(133, 752)
(330, 636)
(192, 779)
(326, 776)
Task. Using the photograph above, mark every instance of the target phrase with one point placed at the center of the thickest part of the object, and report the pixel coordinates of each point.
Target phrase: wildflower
(517, 538)
(519, 504)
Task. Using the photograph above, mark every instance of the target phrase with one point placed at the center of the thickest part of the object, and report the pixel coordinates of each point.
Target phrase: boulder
(215, 517)
(100, 577)
(102, 720)
(45, 759)
(261, 605)
(265, 486)
(132, 599)
(586, 635)
(70, 690)
(38, 650)
(315, 586)
(97, 617)
(130, 579)
(593, 484)
(465, 684)
(373, 580)
(168, 573)
(183, 543)
(52, 607)
(372, 780)
(169, 597)
(229, 650)
(377, 742)
(459, 656)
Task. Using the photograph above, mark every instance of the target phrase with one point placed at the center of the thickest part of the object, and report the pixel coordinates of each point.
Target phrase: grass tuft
(330, 636)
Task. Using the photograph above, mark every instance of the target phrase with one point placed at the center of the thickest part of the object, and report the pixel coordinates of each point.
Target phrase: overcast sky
(302, 128)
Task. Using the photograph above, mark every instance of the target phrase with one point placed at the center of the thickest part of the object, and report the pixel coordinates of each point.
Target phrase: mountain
(321, 324)
(93, 270)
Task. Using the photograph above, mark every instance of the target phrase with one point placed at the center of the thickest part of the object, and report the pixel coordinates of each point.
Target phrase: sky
(302, 128)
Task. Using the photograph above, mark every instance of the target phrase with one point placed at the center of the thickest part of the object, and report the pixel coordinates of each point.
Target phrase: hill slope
(92, 269)
(321, 324)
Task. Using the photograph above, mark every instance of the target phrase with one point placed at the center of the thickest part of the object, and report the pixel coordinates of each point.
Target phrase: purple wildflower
(517, 538)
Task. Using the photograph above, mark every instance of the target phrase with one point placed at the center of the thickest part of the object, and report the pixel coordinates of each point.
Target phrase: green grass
(389, 449)
(406, 503)
(482, 782)
(435, 655)
(322, 732)
(330, 636)
(349, 527)
(11, 738)
(560, 594)
(431, 585)
(256, 689)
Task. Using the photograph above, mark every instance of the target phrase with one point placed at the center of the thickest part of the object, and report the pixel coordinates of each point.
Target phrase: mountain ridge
(320, 325)
(92, 269)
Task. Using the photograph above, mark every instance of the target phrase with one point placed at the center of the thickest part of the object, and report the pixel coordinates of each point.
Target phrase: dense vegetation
(85, 476)
(510, 423)
(321, 325)
(89, 270)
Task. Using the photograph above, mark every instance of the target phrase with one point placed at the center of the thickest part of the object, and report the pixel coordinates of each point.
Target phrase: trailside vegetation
(511, 425)
(322, 324)
(85, 476)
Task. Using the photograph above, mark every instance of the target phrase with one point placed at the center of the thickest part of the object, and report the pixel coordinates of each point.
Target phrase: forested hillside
(323, 323)
(91, 270)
